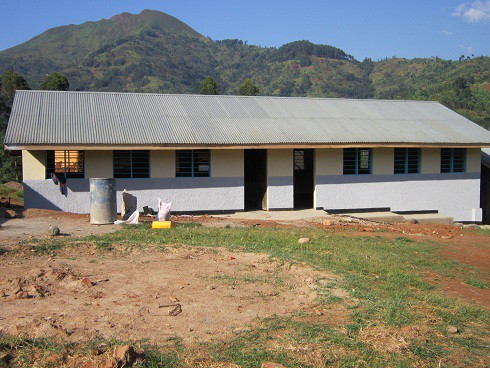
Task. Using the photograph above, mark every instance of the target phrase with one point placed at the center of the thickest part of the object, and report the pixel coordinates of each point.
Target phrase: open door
(255, 180)
(303, 178)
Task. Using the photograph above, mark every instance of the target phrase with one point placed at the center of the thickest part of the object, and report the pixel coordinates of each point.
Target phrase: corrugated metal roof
(133, 119)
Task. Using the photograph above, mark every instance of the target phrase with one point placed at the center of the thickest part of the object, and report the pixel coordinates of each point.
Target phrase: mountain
(155, 52)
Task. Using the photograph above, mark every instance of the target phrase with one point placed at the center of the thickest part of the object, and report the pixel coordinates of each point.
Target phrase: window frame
(193, 157)
(451, 160)
(51, 164)
(131, 164)
(406, 160)
(357, 161)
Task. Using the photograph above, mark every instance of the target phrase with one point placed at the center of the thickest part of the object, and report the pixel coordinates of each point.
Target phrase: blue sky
(374, 28)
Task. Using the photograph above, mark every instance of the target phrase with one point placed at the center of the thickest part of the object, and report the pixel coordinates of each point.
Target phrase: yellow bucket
(162, 225)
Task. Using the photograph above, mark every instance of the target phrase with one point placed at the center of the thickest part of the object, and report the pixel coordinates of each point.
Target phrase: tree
(248, 88)
(10, 166)
(55, 82)
(11, 82)
(209, 87)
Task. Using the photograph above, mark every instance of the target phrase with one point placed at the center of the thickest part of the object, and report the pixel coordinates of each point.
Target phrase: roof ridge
(229, 96)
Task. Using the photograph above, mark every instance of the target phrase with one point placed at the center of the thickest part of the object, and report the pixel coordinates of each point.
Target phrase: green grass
(386, 280)
(10, 192)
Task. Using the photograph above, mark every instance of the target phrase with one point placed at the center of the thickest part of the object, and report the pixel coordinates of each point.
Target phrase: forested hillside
(154, 52)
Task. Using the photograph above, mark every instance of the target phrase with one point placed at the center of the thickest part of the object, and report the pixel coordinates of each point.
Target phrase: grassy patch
(11, 192)
(386, 277)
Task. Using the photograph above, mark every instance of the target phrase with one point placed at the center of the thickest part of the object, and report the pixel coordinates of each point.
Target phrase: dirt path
(34, 223)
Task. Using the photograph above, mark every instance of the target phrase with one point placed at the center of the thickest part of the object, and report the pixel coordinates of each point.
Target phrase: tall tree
(209, 87)
(11, 82)
(55, 82)
(248, 88)
(10, 166)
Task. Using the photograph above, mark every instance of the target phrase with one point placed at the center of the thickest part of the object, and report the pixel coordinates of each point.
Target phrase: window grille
(453, 160)
(407, 160)
(357, 161)
(299, 160)
(192, 163)
(70, 163)
(131, 164)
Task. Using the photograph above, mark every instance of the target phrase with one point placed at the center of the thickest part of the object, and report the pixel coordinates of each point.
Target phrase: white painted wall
(186, 194)
(451, 194)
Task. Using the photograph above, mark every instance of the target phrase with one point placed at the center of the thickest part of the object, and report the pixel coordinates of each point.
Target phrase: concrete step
(430, 218)
(388, 217)
(391, 218)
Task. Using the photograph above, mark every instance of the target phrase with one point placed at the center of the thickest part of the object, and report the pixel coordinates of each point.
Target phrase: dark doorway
(255, 179)
(303, 178)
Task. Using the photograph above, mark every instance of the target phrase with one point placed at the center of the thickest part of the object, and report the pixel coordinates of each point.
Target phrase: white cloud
(467, 49)
(476, 12)
(447, 33)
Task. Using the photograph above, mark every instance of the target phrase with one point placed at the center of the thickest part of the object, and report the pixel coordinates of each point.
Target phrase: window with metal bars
(192, 163)
(357, 161)
(453, 160)
(70, 163)
(299, 159)
(407, 160)
(131, 164)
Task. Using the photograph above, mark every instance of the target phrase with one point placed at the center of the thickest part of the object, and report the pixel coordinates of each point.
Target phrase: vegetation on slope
(155, 52)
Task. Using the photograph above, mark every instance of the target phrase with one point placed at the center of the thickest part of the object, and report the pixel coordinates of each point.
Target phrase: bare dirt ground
(194, 294)
(135, 294)
(34, 223)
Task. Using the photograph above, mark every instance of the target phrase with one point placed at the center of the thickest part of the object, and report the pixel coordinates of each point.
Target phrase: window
(192, 163)
(357, 161)
(299, 159)
(70, 163)
(453, 160)
(131, 164)
(407, 160)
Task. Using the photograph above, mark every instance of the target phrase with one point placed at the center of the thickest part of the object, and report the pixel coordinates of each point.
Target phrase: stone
(124, 355)
(39, 290)
(173, 299)
(10, 214)
(458, 224)
(327, 222)
(53, 230)
(52, 359)
(272, 365)
(452, 330)
(110, 363)
(86, 282)
(309, 280)
(304, 240)
(24, 295)
(412, 221)
(211, 287)
(368, 230)
(471, 226)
